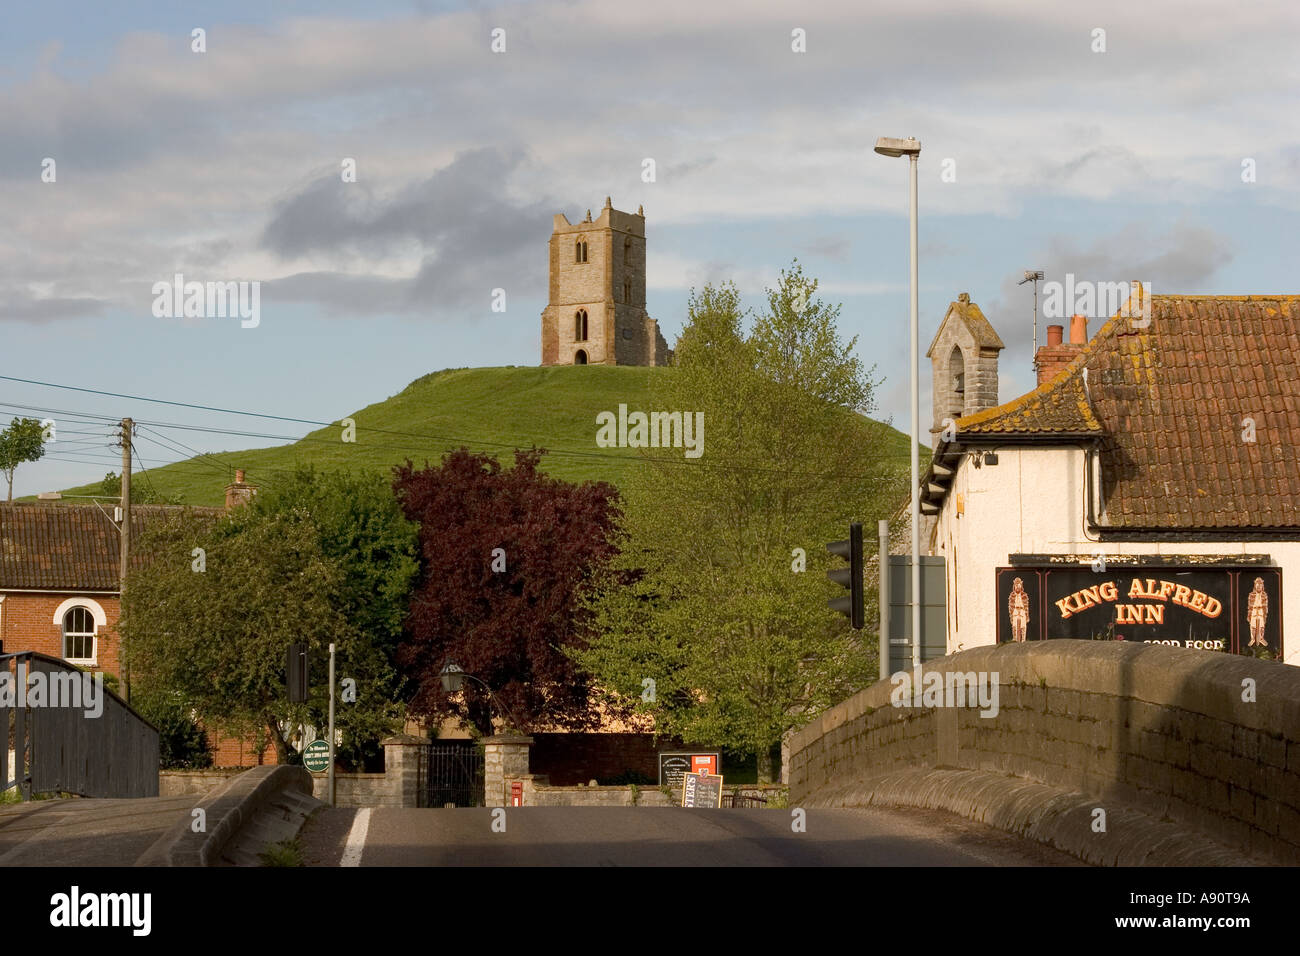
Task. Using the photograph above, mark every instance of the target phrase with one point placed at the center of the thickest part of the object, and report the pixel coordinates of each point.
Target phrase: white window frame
(97, 615)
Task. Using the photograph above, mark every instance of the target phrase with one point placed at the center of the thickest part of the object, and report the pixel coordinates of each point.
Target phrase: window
(627, 290)
(580, 326)
(79, 634)
(957, 370)
(579, 251)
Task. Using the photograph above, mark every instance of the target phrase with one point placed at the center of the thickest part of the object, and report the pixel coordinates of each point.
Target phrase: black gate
(454, 775)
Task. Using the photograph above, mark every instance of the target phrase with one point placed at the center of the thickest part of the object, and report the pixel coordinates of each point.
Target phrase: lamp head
(890, 146)
(451, 679)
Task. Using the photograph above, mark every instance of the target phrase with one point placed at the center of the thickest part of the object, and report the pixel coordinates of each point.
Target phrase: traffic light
(850, 577)
(296, 673)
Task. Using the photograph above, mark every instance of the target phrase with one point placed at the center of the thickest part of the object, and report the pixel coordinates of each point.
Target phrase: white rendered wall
(1032, 502)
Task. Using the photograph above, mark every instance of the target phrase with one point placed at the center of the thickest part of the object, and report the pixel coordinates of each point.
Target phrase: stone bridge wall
(1162, 729)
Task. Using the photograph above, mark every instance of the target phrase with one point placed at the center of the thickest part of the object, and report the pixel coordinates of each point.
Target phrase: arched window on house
(79, 635)
(957, 372)
(580, 325)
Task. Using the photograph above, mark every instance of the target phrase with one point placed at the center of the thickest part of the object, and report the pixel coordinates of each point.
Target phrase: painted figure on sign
(1257, 613)
(1018, 608)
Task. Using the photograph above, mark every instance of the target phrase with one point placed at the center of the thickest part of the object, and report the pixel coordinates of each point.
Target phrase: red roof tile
(1170, 404)
(66, 548)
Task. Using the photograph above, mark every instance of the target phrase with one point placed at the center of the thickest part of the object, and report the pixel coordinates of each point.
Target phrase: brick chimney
(1056, 355)
(240, 492)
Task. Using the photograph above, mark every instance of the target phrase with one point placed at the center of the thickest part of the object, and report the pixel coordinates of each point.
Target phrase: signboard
(702, 790)
(1233, 610)
(316, 756)
(934, 610)
(674, 765)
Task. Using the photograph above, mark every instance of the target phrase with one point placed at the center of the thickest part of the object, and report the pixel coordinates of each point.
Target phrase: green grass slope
(491, 410)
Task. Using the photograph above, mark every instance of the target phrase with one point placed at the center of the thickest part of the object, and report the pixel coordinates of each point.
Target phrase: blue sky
(224, 165)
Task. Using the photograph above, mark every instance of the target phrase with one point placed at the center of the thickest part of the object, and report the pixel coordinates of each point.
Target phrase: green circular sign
(316, 757)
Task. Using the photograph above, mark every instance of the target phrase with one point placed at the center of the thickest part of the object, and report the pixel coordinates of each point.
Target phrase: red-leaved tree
(504, 553)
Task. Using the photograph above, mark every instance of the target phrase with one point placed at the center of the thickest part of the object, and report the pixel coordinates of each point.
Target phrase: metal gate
(454, 774)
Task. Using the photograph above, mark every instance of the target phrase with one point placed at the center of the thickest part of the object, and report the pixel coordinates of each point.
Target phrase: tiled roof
(1171, 404)
(1057, 406)
(72, 548)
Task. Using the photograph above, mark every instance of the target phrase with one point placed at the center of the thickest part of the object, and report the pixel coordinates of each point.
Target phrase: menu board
(702, 790)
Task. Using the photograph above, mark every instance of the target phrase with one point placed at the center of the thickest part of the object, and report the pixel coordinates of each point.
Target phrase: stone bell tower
(964, 362)
(596, 311)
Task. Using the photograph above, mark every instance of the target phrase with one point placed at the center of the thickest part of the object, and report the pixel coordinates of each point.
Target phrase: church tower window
(580, 326)
(579, 251)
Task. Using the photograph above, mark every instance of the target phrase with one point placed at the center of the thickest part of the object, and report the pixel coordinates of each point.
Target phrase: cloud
(21, 308)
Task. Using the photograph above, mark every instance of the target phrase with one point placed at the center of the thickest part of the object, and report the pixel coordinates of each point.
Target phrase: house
(60, 590)
(1147, 490)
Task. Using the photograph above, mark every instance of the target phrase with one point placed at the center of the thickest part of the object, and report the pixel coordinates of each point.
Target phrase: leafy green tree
(709, 597)
(213, 626)
(361, 528)
(22, 441)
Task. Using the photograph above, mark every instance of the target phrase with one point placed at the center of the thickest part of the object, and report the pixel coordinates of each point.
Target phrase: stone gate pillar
(406, 760)
(504, 757)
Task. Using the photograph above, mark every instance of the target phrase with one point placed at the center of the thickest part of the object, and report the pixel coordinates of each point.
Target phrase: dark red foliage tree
(505, 627)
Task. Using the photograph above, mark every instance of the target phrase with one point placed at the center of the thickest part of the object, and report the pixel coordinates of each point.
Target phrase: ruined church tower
(596, 308)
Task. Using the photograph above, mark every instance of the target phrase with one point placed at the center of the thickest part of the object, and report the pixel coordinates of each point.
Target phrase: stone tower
(964, 362)
(596, 309)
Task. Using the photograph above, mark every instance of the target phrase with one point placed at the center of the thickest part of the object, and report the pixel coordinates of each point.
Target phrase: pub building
(1147, 490)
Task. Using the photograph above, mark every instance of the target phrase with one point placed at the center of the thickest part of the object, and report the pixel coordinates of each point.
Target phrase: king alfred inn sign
(1235, 609)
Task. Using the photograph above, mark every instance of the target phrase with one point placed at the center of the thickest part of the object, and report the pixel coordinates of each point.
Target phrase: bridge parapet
(1211, 741)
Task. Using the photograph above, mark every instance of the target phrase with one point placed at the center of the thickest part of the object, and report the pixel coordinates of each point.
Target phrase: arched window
(79, 635)
(580, 325)
(957, 373)
(579, 251)
(580, 358)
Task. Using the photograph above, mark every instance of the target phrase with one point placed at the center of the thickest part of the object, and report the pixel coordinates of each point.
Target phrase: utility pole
(127, 426)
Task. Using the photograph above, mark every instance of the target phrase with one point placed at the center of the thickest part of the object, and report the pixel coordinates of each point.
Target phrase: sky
(1164, 148)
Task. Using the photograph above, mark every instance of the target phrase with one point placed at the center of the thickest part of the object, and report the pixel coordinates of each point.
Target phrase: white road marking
(356, 839)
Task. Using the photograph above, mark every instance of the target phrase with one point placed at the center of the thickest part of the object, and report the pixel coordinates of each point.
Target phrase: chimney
(1056, 354)
(239, 492)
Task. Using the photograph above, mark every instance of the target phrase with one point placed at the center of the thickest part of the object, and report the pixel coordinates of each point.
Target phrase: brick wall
(27, 624)
(571, 759)
(1162, 729)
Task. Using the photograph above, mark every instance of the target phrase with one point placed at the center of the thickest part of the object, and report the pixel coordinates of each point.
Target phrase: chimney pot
(1054, 333)
(1079, 330)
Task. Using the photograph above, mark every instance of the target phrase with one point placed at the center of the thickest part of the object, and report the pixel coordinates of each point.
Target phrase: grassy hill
(492, 410)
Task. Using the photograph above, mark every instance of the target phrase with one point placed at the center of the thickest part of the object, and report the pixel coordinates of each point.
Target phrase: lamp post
(452, 677)
(911, 148)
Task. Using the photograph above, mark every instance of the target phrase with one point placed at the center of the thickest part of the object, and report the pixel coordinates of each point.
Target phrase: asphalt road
(661, 836)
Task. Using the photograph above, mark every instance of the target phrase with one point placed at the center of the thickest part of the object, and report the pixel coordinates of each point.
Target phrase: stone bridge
(1193, 756)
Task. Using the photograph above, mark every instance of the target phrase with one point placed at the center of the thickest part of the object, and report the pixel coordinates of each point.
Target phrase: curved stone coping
(1057, 818)
(229, 808)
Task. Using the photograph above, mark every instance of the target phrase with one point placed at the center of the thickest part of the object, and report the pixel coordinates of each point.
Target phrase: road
(661, 836)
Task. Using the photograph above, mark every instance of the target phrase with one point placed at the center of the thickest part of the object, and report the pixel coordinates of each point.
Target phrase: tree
(708, 597)
(213, 626)
(359, 527)
(503, 555)
(22, 441)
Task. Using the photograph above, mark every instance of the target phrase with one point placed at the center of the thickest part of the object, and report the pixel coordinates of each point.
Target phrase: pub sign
(1234, 610)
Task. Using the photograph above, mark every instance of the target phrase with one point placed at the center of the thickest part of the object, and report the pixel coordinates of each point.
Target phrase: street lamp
(452, 678)
(911, 148)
